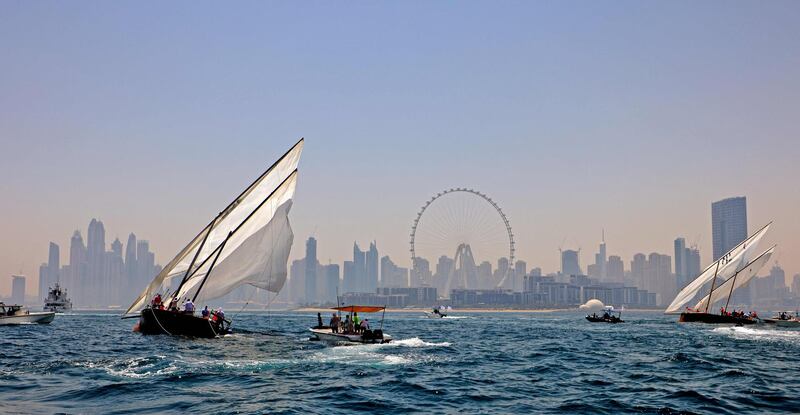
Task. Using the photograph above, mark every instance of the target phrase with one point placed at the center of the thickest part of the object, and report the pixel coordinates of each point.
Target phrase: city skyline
(633, 120)
(583, 268)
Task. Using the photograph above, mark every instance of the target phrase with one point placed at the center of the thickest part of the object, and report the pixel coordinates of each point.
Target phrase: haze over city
(574, 120)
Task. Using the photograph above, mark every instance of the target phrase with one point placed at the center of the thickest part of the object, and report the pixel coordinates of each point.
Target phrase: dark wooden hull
(713, 319)
(155, 321)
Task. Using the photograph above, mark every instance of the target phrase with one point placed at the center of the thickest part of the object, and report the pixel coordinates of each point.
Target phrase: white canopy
(725, 267)
(258, 225)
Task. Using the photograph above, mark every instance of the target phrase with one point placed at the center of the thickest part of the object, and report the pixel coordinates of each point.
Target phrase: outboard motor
(377, 334)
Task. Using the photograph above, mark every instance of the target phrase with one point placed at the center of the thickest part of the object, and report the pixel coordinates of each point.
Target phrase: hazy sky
(574, 116)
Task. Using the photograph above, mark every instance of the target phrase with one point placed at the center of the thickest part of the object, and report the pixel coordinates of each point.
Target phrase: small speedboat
(440, 312)
(608, 316)
(349, 333)
(16, 314)
(784, 319)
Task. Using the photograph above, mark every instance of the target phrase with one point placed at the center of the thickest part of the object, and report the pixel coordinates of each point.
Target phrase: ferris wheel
(467, 226)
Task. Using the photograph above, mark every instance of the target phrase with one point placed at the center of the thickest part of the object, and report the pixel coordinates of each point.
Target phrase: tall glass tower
(728, 224)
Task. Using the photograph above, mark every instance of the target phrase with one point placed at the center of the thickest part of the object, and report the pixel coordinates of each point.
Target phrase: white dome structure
(593, 304)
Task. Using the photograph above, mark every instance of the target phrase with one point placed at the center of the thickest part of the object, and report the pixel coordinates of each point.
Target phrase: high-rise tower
(728, 224)
(311, 282)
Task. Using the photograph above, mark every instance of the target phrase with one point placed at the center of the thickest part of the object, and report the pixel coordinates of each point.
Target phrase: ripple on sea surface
(500, 362)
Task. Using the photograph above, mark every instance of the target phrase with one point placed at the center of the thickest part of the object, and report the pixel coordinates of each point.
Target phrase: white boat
(57, 300)
(784, 319)
(347, 333)
(16, 314)
(440, 312)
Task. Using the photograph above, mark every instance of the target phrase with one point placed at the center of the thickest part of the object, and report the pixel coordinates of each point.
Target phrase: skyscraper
(359, 270)
(145, 263)
(392, 275)
(728, 224)
(638, 265)
(421, 272)
(18, 289)
(444, 267)
(570, 264)
(114, 276)
(600, 262)
(520, 270)
(680, 259)
(615, 269)
(95, 256)
(49, 271)
(371, 267)
(692, 264)
(131, 275)
(44, 279)
(53, 264)
(331, 276)
(311, 271)
(349, 277)
(78, 268)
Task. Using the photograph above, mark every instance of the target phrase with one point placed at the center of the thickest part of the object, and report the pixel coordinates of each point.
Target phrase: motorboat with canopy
(730, 272)
(247, 243)
(348, 331)
(17, 314)
(610, 315)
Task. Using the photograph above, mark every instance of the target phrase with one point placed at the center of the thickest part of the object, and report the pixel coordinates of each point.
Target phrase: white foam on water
(414, 342)
(135, 368)
(369, 354)
(757, 334)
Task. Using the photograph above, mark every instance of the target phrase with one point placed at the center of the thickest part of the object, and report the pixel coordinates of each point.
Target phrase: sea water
(475, 363)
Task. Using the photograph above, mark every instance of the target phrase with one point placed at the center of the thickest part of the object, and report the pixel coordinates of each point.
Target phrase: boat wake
(377, 354)
(414, 342)
(135, 368)
(387, 354)
(758, 334)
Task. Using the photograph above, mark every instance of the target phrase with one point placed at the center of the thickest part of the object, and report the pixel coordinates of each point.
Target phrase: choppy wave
(498, 363)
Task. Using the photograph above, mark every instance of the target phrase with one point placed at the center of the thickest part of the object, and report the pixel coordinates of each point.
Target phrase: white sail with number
(247, 243)
(720, 270)
(740, 279)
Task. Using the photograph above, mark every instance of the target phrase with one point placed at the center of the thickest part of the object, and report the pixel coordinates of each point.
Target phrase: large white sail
(263, 206)
(257, 254)
(738, 280)
(723, 268)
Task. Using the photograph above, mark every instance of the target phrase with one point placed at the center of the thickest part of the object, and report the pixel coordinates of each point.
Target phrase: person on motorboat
(334, 323)
(348, 325)
(356, 322)
(364, 325)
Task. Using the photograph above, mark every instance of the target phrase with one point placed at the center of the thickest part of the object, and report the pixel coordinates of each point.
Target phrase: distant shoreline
(469, 310)
(399, 310)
